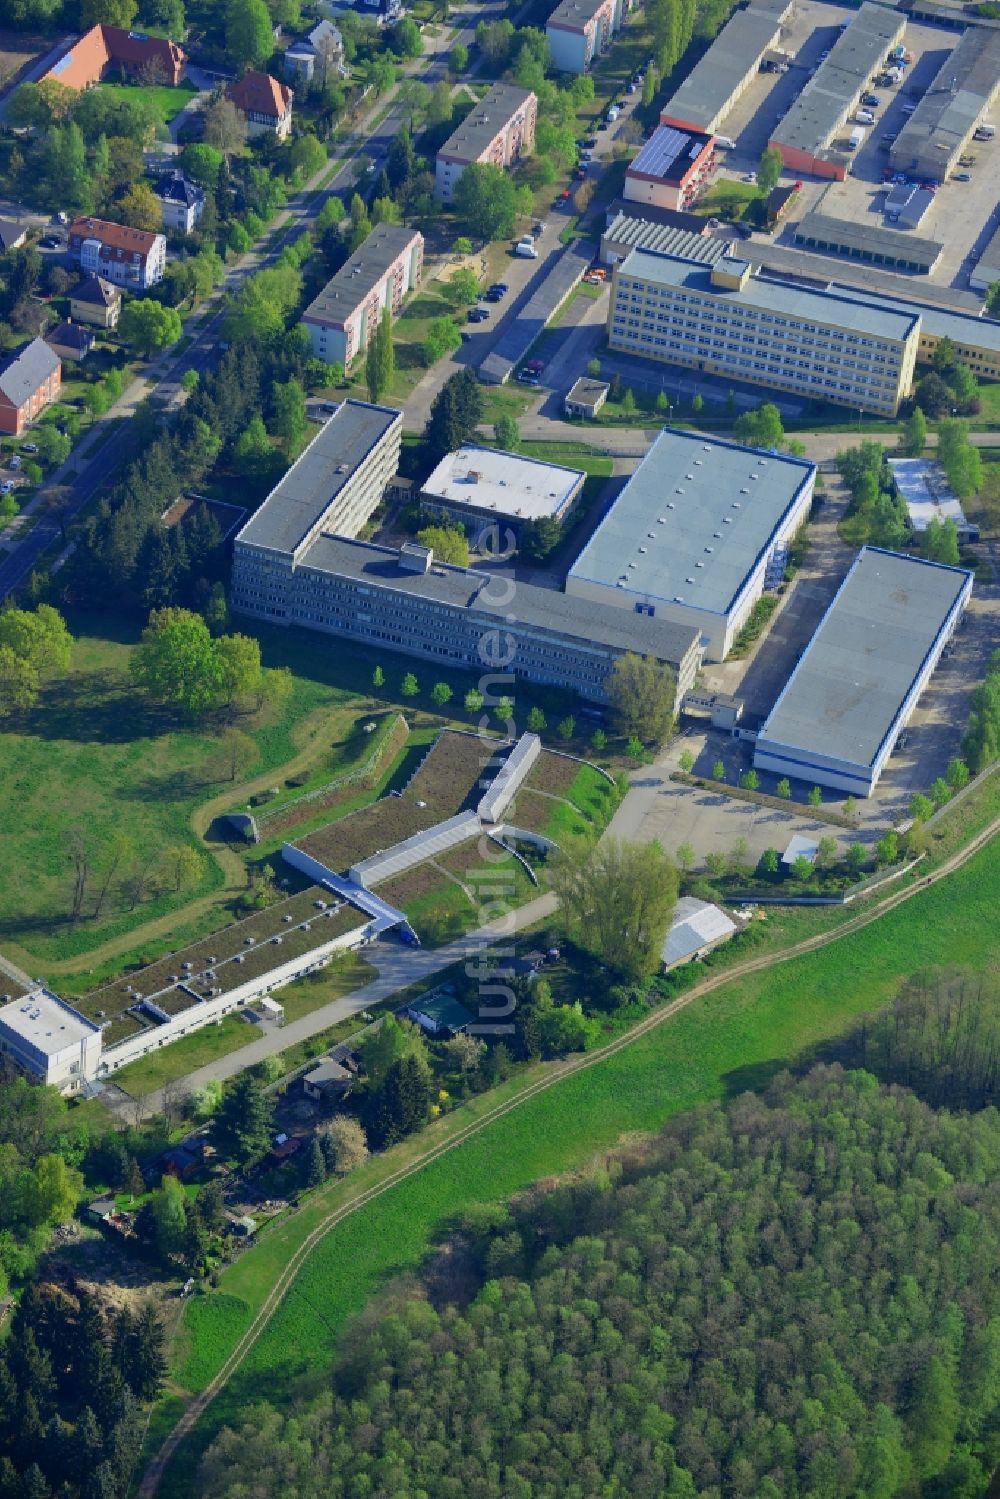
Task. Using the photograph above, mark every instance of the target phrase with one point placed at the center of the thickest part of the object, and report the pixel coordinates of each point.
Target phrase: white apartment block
(725, 320)
(345, 314)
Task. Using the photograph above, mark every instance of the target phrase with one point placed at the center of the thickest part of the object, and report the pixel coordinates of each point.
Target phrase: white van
(865, 117)
(526, 249)
(725, 142)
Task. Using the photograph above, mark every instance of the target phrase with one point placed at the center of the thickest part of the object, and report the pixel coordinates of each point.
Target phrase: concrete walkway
(398, 967)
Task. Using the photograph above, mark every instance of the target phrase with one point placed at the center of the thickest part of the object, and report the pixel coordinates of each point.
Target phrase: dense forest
(789, 1295)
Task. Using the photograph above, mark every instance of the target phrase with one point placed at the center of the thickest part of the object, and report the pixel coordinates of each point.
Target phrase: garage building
(868, 242)
(838, 718)
(728, 68)
(938, 131)
(699, 531)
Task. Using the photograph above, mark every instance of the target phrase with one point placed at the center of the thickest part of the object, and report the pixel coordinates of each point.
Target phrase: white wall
(569, 50)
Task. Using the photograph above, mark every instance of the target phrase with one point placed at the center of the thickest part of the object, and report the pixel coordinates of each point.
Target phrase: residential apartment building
(264, 102)
(112, 49)
(345, 314)
(672, 169)
(335, 484)
(726, 320)
(96, 301)
(499, 131)
(181, 202)
(580, 30)
(135, 258)
(464, 618)
(30, 378)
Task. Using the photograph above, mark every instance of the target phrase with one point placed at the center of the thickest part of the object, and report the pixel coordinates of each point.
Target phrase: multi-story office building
(459, 617)
(724, 320)
(671, 169)
(580, 30)
(345, 314)
(335, 484)
(699, 531)
(499, 131)
(135, 258)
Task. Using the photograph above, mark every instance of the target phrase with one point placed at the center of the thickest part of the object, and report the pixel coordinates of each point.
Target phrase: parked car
(29, 447)
(525, 377)
(526, 251)
(590, 144)
(500, 287)
(7, 486)
(62, 218)
(963, 176)
(477, 314)
(749, 177)
(580, 174)
(15, 462)
(50, 242)
(872, 100)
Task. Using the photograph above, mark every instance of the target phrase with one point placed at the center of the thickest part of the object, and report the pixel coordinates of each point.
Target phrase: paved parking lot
(965, 214)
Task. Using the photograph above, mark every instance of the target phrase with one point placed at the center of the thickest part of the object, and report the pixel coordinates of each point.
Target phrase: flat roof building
(965, 87)
(459, 617)
(729, 66)
(335, 483)
(50, 1040)
(345, 314)
(838, 718)
(695, 928)
(586, 397)
(870, 243)
(698, 532)
(924, 486)
(671, 169)
(500, 129)
(987, 267)
(480, 487)
(580, 30)
(725, 320)
(805, 136)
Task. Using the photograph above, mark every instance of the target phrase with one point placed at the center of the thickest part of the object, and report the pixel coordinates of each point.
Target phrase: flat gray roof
(856, 54)
(961, 327)
(508, 484)
(46, 1022)
(868, 240)
(359, 276)
(693, 520)
(871, 645)
(642, 234)
(775, 297)
(602, 625)
(988, 265)
(963, 88)
(573, 15)
(477, 130)
(740, 45)
(810, 268)
(317, 476)
(586, 390)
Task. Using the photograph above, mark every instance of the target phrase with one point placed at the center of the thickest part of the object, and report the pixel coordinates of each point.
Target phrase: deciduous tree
(642, 691)
(616, 899)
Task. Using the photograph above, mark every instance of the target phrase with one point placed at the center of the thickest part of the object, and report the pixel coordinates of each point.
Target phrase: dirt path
(569, 1066)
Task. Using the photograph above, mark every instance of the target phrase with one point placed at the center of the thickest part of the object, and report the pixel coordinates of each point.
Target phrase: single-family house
(266, 104)
(30, 378)
(112, 49)
(318, 54)
(12, 236)
(70, 340)
(181, 202)
(96, 301)
(135, 258)
(328, 1079)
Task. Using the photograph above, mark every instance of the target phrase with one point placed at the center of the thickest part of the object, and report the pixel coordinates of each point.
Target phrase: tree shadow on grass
(754, 1077)
(95, 707)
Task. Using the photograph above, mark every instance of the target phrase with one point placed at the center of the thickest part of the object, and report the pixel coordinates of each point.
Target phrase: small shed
(586, 398)
(182, 1161)
(12, 236)
(271, 1009)
(439, 1014)
(102, 1209)
(242, 1228)
(800, 847)
(697, 926)
(70, 341)
(328, 1079)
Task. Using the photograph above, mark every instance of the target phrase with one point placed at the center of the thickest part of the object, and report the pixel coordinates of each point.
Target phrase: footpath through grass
(734, 1038)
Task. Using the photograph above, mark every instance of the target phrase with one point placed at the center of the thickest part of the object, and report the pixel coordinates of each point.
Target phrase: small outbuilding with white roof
(480, 487)
(697, 926)
(924, 486)
(699, 531)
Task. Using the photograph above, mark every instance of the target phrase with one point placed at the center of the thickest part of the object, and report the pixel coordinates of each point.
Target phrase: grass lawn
(318, 989)
(164, 101)
(187, 1054)
(92, 754)
(985, 507)
(726, 199)
(732, 1039)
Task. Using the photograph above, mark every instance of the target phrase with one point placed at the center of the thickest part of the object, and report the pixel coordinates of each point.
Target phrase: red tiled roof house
(266, 103)
(135, 258)
(106, 49)
(29, 380)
